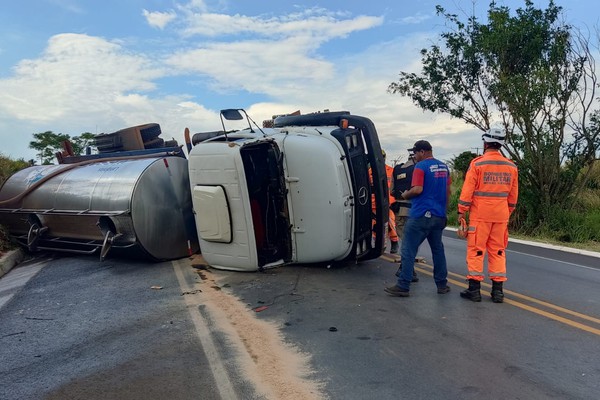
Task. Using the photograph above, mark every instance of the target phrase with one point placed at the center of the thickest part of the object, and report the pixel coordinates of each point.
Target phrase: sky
(74, 66)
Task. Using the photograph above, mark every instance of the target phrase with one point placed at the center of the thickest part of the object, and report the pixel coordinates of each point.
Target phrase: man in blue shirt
(429, 194)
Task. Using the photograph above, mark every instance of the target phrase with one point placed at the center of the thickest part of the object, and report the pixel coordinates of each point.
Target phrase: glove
(463, 228)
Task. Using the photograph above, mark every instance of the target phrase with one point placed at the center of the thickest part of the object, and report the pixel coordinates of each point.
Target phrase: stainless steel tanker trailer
(298, 191)
(139, 205)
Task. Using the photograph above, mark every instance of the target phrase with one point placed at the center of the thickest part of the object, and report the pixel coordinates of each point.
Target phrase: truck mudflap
(366, 165)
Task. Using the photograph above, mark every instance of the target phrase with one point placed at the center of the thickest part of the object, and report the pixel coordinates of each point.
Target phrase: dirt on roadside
(278, 370)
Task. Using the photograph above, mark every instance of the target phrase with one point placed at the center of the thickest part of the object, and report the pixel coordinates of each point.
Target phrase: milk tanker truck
(300, 189)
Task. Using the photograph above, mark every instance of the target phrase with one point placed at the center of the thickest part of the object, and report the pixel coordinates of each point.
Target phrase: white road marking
(553, 259)
(224, 385)
(16, 278)
(563, 249)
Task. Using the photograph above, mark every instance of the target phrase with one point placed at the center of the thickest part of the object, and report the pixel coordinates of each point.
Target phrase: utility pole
(476, 149)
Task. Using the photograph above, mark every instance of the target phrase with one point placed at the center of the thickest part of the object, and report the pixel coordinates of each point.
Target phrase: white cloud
(84, 83)
(283, 62)
(319, 27)
(359, 84)
(414, 19)
(269, 67)
(77, 73)
(159, 19)
(194, 6)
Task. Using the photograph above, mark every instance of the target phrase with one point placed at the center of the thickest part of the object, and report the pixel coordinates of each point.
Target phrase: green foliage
(590, 176)
(455, 187)
(49, 143)
(461, 162)
(9, 166)
(5, 243)
(570, 226)
(531, 72)
(81, 142)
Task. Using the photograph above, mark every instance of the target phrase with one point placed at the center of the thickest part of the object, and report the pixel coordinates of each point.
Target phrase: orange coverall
(389, 171)
(490, 195)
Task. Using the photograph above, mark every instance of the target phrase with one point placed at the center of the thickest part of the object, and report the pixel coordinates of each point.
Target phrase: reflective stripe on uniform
(491, 194)
(464, 203)
(493, 162)
(471, 229)
(512, 205)
(476, 273)
(496, 274)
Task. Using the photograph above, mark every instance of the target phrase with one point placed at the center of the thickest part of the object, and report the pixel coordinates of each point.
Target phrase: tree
(49, 143)
(82, 141)
(461, 162)
(533, 74)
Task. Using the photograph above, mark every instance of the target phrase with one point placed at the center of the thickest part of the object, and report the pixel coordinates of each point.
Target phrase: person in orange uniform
(393, 235)
(489, 195)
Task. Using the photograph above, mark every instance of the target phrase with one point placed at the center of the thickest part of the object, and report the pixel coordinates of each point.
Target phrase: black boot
(497, 293)
(473, 292)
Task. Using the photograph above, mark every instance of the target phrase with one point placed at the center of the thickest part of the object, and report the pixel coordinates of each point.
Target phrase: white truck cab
(297, 192)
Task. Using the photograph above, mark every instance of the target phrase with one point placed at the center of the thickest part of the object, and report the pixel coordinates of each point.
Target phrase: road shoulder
(9, 259)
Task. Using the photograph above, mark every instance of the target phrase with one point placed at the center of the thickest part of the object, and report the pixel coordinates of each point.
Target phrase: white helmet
(494, 135)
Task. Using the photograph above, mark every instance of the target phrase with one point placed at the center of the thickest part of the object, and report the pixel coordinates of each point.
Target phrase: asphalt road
(81, 329)
(84, 329)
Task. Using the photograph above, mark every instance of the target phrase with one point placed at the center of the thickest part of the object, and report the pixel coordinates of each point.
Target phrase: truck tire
(150, 132)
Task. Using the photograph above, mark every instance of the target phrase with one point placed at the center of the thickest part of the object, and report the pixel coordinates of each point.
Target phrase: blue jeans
(416, 231)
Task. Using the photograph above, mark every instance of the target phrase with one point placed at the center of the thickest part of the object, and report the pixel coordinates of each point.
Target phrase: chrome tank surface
(126, 205)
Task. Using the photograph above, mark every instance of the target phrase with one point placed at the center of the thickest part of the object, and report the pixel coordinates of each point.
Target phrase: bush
(570, 226)
(456, 186)
(5, 243)
(9, 166)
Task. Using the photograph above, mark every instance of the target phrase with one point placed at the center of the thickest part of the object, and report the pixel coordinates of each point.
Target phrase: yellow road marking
(521, 305)
(554, 317)
(541, 302)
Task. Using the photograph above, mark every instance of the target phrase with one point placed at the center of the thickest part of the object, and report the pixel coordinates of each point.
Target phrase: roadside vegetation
(535, 76)
(8, 167)
(48, 143)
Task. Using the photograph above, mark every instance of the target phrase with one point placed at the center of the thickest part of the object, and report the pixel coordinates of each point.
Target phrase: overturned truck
(299, 191)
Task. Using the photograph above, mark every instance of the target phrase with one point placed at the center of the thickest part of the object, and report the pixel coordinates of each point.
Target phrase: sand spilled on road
(278, 370)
